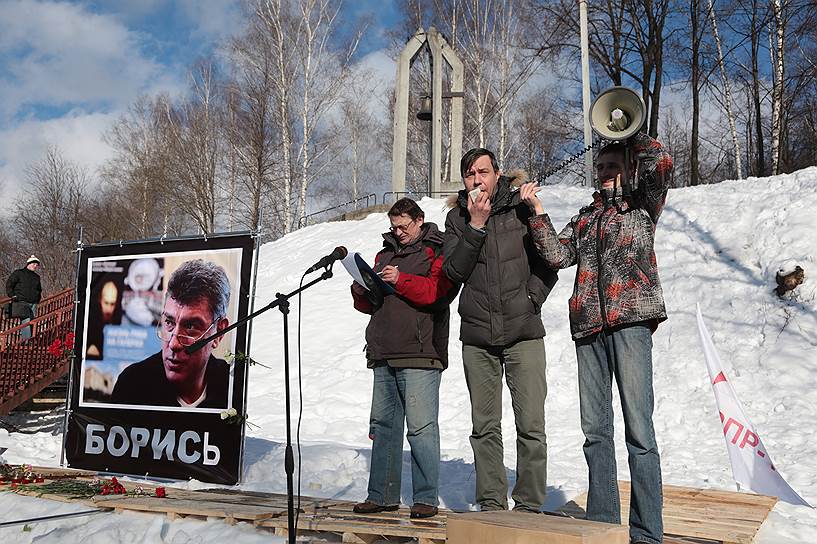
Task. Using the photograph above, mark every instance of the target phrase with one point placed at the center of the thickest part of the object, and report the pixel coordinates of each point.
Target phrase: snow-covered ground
(719, 245)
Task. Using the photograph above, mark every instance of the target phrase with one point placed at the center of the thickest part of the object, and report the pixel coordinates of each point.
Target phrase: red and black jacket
(412, 323)
(612, 243)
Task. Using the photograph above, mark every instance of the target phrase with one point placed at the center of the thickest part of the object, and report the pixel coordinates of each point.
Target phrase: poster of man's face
(143, 313)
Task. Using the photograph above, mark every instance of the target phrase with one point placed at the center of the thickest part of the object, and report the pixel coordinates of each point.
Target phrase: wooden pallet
(698, 515)
(522, 528)
(264, 510)
(690, 515)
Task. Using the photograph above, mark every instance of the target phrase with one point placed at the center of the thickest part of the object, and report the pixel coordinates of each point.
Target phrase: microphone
(337, 254)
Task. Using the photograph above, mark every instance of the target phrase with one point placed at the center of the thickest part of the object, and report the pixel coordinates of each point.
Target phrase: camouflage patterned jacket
(612, 244)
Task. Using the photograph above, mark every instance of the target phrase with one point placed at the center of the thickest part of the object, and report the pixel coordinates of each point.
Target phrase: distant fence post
(305, 219)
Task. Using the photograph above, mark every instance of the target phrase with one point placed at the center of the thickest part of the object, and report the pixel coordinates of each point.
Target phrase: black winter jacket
(23, 285)
(504, 280)
(145, 383)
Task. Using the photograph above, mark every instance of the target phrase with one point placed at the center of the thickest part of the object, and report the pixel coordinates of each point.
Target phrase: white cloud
(78, 135)
(382, 67)
(213, 19)
(59, 54)
(379, 71)
(66, 74)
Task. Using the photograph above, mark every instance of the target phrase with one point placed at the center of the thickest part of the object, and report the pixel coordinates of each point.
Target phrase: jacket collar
(428, 233)
(603, 199)
(504, 196)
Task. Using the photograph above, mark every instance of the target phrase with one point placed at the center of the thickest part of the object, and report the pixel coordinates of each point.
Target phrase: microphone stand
(282, 303)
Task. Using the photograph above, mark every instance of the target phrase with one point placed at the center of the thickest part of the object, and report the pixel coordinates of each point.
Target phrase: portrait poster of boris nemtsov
(145, 397)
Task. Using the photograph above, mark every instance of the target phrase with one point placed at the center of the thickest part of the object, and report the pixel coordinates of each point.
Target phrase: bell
(425, 109)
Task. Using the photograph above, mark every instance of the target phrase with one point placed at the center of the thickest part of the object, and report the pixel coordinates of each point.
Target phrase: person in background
(616, 305)
(407, 348)
(24, 286)
(106, 311)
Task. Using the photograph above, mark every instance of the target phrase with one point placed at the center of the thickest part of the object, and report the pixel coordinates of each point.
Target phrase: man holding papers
(407, 347)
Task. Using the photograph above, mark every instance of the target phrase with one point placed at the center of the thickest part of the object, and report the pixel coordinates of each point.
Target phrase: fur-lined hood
(514, 178)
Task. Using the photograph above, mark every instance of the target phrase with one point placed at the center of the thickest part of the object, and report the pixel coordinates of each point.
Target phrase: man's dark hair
(406, 206)
(613, 147)
(471, 157)
(201, 280)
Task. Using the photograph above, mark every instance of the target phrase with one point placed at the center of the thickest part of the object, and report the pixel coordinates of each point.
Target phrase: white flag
(751, 465)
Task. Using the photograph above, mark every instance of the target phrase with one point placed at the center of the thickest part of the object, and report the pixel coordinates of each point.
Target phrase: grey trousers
(523, 364)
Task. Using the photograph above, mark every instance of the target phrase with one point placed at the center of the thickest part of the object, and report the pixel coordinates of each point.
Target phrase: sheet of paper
(350, 264)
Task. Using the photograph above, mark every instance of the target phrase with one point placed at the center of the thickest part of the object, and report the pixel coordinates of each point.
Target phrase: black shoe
(420, 510)
(526, 510)
(369, 507)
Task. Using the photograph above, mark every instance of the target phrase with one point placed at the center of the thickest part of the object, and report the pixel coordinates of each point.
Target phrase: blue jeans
(409, 395)
(626, 354)
(25, 334)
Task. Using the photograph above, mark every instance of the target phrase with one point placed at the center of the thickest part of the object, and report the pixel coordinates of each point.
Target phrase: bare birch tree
(778, 62)
(252, 131)
(194, 140)
(324, 72)
(727, 91)
(274, 15)
(311, 70)
(135, 179)
(49, 212)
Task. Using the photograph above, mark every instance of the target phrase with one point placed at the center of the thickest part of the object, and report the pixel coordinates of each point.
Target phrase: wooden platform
(698, 515)
(524, 528)
(690, 515)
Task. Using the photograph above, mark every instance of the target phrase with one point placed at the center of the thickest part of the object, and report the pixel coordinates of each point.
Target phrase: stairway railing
(46, 306)
(27, 367)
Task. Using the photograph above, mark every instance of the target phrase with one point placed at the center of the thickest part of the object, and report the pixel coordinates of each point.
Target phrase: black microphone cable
(300, 403)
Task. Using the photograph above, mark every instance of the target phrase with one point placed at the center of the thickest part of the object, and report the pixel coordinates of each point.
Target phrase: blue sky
(69, 69)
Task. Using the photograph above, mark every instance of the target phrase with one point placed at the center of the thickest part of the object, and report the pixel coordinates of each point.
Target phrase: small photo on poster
(142, 312)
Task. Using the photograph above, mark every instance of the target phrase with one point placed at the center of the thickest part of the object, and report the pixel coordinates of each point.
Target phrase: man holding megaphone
(616, 305)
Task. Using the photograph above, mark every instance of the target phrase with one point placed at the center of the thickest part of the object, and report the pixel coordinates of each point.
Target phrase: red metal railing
(27, 367)
(46, 306)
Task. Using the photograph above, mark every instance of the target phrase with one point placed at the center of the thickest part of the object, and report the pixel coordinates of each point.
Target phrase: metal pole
(434, 100)
(588, 131)
(73, 358)
(247, 348)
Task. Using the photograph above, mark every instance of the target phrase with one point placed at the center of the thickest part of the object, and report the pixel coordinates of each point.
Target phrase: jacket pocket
(640, 273)
(536, 305)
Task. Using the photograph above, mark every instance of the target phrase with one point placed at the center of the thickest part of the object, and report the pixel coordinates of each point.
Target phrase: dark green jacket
(504, 281)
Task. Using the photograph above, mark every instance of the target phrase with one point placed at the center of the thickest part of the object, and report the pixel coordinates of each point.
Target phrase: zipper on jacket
(419, 333)
(599, 286)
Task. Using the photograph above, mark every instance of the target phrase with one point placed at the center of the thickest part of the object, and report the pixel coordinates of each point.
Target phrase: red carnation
(161, 492)
(55, 348)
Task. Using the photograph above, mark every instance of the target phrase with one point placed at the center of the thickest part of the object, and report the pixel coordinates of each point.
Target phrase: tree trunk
(696, 92)
(727, 93)
(777, 92)
(760, 163)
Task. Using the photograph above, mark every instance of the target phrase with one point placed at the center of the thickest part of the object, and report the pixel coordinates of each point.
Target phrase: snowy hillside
(718, 245)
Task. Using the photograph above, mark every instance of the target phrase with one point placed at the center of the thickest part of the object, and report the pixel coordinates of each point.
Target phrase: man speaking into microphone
(195, 307)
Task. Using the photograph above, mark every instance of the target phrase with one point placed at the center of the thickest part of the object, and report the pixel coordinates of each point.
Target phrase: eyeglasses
(401, 228)
(184, 336)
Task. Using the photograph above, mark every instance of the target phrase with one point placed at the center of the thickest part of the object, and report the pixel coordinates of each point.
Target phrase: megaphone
(617, 113)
